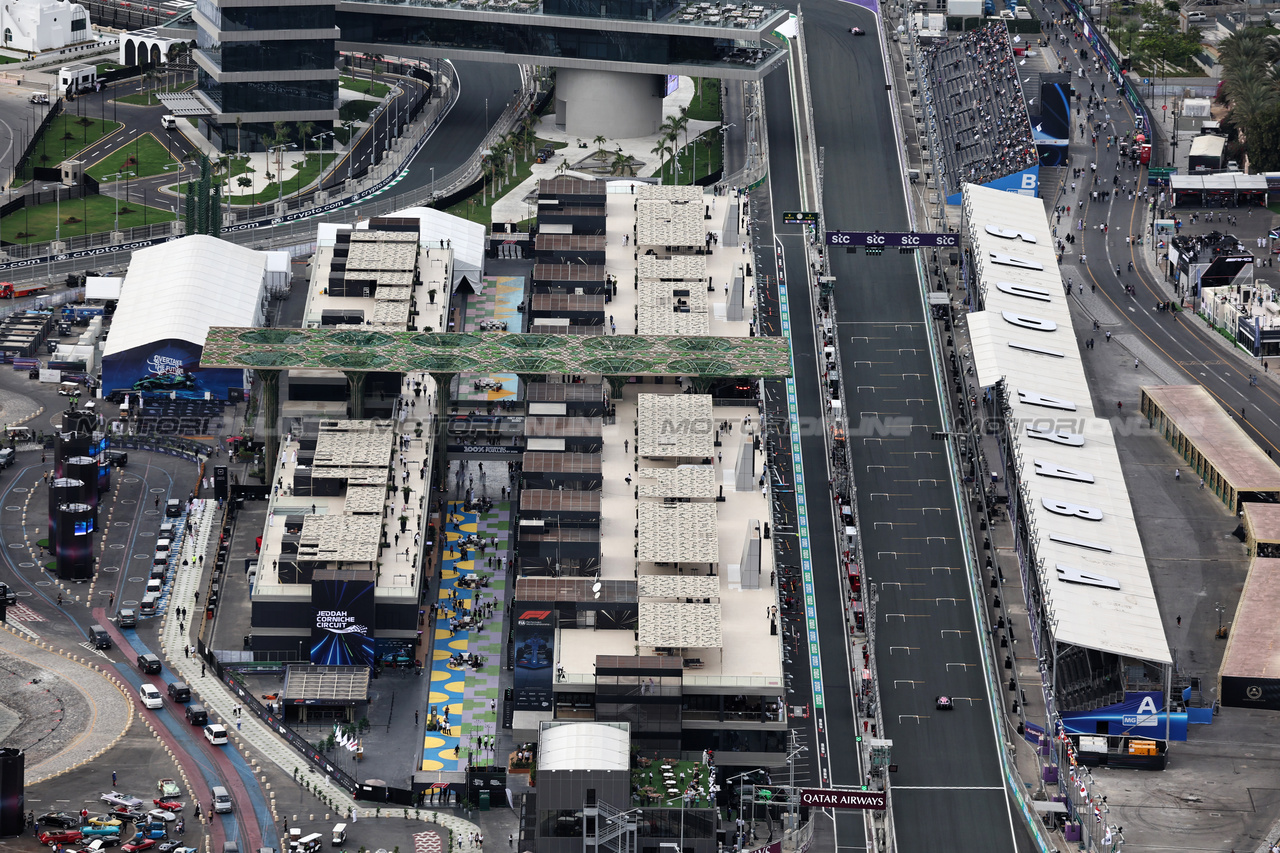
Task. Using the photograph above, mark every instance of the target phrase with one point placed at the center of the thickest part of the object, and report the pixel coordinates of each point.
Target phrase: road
(949, 782)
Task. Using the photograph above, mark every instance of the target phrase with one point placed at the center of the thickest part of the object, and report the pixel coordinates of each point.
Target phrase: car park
(150, 696)
(119, 798)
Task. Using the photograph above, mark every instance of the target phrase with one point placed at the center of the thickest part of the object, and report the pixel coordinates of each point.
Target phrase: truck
(9, 290)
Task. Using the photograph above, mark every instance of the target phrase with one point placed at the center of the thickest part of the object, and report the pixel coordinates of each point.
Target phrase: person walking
(1177, 475)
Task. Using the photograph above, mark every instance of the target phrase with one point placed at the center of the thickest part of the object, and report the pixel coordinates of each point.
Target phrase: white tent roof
(179, 289)
(584, 746)
(466, 238)
(1093, 571)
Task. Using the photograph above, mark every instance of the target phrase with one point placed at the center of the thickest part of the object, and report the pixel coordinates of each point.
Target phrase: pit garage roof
(584, 746)
(436, 228)
(685, 481)
(678, 533)
(179, 289)
(325, 685)
(1094, 568)
(679, 586)
(1253, 647)
(680, 626)
(675, 426)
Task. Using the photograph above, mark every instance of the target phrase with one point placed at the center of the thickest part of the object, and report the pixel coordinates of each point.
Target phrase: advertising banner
(342, 627)
(535, 647)
(1139, 715)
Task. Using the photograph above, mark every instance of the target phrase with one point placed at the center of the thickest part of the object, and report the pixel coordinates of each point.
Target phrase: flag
(1097, 812)
(1106, 836)
(1274, 235)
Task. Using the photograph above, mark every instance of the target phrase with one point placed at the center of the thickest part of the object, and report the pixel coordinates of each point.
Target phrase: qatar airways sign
(831, 798)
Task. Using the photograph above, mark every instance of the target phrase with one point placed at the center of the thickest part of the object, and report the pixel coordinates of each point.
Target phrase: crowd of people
(975, 104)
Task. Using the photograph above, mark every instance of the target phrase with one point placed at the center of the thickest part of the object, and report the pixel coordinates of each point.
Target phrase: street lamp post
(117, 177)
(433, 183)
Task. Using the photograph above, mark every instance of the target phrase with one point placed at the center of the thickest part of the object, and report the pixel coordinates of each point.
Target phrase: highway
(949, 788)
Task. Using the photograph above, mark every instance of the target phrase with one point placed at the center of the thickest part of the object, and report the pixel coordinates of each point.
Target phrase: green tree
(1263, 139)
(600, 154)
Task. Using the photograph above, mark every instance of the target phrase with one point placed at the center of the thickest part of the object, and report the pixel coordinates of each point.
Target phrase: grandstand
(976, 115)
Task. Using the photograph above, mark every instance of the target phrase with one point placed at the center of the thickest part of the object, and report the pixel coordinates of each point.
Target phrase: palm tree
(621, 164)
(661, 150)
(239, 124)
(600, 152)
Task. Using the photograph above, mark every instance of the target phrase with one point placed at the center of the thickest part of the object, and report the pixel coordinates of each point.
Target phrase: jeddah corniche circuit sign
(834, 798)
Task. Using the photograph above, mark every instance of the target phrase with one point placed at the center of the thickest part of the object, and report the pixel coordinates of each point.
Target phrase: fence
(54, 111)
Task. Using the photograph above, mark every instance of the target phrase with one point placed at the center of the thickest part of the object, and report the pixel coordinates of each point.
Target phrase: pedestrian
(415, 718)
(202, 669)
(1179, 621)
(1177, 475)
(1202, 482)
(113, 778)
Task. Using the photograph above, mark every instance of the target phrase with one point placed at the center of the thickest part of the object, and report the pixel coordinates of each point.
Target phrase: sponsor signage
(835, 798)
(800, 217)
(890, 239)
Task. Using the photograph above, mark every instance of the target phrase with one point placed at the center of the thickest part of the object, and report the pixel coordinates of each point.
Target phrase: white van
(169, 122)
(221, 797)
(216, 734)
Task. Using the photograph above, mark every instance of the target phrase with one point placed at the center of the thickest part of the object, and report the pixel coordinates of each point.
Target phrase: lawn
(92, 215)
(144, 157)
(5, 60)
(710, 155)
(104, 67)
(364, 87)
(477, 208)
(64, 138)
(151, 98)
(651, 782)
(356, 110)
(237, 167)
(705, 105)
(301, 178)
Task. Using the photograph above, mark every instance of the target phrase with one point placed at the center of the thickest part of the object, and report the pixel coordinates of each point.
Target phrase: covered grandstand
(975, 112)
(1094, 619)
(171, 295)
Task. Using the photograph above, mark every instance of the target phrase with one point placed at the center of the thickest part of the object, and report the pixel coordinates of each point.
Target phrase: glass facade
(270, 95)
(277, 55)
(551, 42)
(242, 18)
(631, 10)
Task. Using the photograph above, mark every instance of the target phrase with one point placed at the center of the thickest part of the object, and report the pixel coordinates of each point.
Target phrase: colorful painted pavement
(466, 693)
(498, 302)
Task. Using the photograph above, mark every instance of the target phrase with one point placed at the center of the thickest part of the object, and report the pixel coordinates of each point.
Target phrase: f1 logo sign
(534, 614)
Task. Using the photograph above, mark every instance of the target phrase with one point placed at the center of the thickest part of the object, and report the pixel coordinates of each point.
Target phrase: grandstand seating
(974, 102)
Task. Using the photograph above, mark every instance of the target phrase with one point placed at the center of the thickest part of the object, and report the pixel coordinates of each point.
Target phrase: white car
(216, 734)
(150, 696)
(117, 798)
(162, 814)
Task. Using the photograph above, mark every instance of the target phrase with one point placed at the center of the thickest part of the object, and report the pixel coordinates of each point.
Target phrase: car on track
(119, 798)
(944, 703)
(857, 31)
(139, 844)
(60, 836)
(105, 820)
(61, 820)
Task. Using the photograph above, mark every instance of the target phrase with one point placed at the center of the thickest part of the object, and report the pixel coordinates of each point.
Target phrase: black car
(7, 594)
(117, 458)
(62, 820)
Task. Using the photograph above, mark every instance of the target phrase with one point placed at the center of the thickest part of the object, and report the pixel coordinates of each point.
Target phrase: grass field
(151, 98)
(54, 146)
(5, 60)
(104, 67)
(364, 87)
(706, 100)
(477, 208)
(151, 159)
(356, 110)
(92, 215)
(301, 177)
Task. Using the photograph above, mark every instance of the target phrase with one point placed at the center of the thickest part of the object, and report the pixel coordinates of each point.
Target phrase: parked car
(168, 790)
(139, 844)
(38, 98)
(61, 820)
(60, 836)
(150, 696)
(168, 805)
(8, 595)
(120, 798)
(163, 815)
(95, 831)
(105, 820)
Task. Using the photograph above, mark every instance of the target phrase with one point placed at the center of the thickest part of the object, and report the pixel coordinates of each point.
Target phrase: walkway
(498, 301)
(465, 698)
